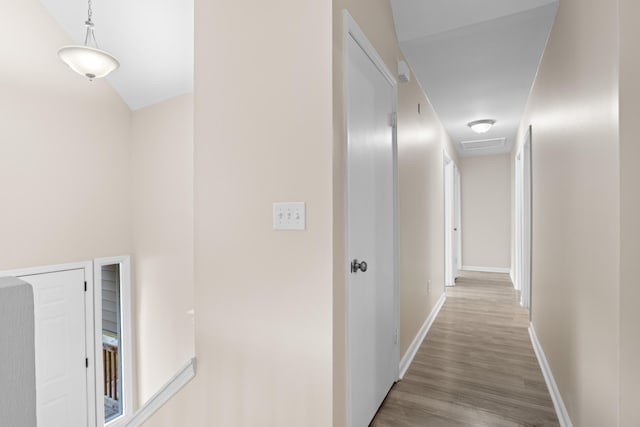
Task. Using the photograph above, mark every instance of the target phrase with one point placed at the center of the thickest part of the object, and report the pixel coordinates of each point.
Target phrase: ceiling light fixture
(481, 126)
(86, 60)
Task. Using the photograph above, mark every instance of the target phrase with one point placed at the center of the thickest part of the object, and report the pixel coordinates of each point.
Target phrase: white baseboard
(561, 410)
(422, 333)
(486, 269)
(170, 389)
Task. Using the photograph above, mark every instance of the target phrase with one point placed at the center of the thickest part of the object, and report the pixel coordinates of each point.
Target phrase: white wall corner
(420, 336)
(558, 404)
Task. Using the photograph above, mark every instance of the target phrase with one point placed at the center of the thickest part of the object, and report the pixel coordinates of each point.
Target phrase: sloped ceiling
(153, 40)
(475, 60)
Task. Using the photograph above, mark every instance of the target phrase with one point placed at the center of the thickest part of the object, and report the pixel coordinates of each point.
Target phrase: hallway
(476, 366)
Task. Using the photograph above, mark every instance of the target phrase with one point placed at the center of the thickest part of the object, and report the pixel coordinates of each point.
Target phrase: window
(113, 340)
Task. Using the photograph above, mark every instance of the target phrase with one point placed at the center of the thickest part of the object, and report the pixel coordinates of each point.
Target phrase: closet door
(60, 343)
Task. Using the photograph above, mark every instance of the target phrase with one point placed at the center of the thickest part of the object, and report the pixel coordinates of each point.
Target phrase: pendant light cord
(89, 23)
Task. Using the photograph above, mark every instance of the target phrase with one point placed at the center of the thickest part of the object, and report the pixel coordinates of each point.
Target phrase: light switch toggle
(289, 216)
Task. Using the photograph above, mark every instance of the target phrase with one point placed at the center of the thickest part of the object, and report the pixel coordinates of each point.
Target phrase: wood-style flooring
(476, 366)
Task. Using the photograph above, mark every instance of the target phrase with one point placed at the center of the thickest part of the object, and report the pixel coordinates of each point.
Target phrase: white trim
(170, 389)
(126, 321)
(452, 220)
(30, 271)
(396, 228)
(486, 269)
(87, 266)
(558, 404)
(351, 28)
(447, 192)
(420, 336)
(458, 218)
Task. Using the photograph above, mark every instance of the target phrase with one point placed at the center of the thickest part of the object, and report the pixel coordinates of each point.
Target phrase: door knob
(355, 266)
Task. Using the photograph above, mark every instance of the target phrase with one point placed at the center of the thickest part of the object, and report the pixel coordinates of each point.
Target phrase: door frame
(451, 213)
(87, 266)
(524, 222)
(352, 30)
(457, 213)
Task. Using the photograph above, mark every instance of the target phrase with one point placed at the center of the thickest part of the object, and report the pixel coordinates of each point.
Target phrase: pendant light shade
(90, 62)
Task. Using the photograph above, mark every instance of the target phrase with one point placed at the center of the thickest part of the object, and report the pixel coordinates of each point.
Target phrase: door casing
(452, 239)
(524, 225)
(458, 220)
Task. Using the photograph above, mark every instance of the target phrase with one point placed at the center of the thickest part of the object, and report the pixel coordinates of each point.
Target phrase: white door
(372, 349)
(61, 373)
(457, 220)
(450, 250)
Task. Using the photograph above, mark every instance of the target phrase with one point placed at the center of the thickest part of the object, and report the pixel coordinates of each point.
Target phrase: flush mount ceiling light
(481, 126)
(87, 60)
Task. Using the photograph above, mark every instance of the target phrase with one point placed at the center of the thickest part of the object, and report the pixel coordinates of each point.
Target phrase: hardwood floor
(476, 366)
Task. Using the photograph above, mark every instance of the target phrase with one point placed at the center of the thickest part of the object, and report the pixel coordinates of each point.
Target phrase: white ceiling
(153, 40)
(475, 60)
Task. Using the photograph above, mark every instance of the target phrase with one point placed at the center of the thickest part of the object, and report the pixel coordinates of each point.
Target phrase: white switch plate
(289, 216)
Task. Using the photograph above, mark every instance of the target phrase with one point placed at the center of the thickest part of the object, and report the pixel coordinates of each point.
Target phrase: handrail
(166, 392)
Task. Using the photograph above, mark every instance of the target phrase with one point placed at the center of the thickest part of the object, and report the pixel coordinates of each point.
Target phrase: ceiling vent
(481, 144)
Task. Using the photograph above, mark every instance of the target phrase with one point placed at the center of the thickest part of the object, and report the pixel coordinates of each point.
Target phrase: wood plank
(476, 366)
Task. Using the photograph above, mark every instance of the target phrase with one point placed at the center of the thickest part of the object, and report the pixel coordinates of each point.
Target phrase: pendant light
(86, 60)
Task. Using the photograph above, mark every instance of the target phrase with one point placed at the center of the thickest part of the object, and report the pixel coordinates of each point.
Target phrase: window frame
(126, 340)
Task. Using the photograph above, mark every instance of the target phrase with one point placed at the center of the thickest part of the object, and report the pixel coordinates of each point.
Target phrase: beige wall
(630, 212)
(263, 297)
(421, 141)
(64, 151)
(162, 192)
(576, 208)
(263, 333)
(486, 211)
(84, 172)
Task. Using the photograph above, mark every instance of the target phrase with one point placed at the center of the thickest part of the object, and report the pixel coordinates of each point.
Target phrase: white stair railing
(170, 389)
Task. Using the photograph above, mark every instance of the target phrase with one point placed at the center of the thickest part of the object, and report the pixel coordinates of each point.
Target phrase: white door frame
(126, 339)
(517, 282)
(351, 29)
(524, 222)
(87, 266)
(457, 187)
(449, 172)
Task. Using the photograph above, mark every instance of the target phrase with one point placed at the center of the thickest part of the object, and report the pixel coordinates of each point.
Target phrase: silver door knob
(355, 266)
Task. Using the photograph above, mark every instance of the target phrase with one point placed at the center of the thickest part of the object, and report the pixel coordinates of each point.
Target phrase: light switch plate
(289, 216)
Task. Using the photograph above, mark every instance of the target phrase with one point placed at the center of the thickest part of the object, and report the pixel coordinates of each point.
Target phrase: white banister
(170, 389)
